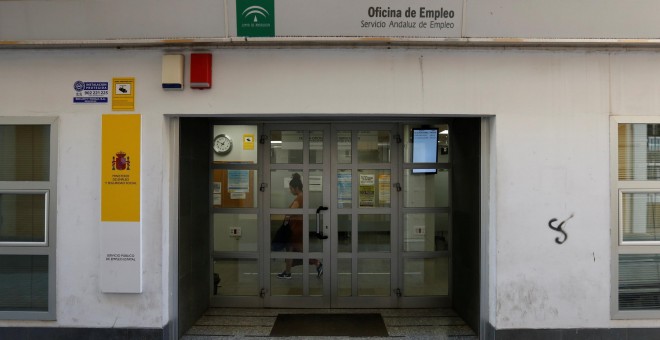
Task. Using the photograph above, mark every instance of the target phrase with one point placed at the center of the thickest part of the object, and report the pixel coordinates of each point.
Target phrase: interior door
(331, 186)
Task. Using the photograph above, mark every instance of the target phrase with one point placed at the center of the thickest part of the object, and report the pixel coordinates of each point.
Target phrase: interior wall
(465, 135)
(194, 246)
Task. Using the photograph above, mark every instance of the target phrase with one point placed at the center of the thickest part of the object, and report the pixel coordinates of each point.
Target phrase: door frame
(171, 186)
(330, 166)
(268, 257)
(488, 126)
(355, 301)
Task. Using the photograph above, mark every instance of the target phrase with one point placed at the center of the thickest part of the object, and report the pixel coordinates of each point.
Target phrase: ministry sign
(350, 18)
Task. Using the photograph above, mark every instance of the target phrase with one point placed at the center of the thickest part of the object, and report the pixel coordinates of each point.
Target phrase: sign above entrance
(255, 18)
(349, 18)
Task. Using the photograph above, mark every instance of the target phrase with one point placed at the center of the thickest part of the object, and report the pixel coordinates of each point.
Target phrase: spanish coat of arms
(121, 161)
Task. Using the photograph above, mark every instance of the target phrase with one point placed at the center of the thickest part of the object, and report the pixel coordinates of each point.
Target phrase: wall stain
(523, 300)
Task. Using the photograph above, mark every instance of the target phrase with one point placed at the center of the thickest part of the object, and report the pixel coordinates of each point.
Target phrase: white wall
(561, 19)
(40, 84)
(117, 19)
(551, 142)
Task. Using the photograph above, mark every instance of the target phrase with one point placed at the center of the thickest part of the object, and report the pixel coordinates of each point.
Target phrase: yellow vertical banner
(120, 168)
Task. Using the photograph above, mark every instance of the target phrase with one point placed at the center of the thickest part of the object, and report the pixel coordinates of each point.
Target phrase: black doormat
(365, 325)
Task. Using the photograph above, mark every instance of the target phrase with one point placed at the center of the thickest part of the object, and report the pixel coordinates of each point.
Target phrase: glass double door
(329, 214)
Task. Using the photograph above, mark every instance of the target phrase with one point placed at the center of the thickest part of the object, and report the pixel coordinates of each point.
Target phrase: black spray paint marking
(559, 228)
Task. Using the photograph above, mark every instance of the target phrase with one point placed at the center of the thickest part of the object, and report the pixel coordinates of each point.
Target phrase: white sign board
(364, 18)
(121, 257)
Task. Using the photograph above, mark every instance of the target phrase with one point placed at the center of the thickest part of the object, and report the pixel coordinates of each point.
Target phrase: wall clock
(222, 144)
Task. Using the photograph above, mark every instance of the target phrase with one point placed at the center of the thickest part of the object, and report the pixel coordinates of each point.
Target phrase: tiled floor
(232, 323)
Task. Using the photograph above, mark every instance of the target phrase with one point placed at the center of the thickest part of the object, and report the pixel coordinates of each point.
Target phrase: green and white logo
(255, 18)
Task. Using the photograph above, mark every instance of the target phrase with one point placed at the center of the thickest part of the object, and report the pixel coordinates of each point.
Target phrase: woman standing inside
(296, 225)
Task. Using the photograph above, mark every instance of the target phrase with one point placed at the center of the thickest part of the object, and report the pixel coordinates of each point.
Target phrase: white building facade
(556, 102)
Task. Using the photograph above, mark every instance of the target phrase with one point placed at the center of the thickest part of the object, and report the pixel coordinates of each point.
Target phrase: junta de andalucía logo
(255, 18)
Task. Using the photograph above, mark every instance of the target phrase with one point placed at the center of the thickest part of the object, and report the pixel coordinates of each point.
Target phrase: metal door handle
(319, 232)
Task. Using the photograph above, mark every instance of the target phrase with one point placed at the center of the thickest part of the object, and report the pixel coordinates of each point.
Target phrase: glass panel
(289, 285)
(344, 277)
(639, 152)
(236, 277)
(374, 233)
(373, 277)
(344, 139)
(286, 233)
(426, 277)
(22, 217)
(315, 278)
(24, 152)
(426, 232)
(373, 146)
(375, 188)
(24, 283)
(315, 244)
(344, 189)
(316, 147)
(640, 216)
(344, 232)
(238, 144)
(235, 232)
(286, 188)
(639, 281)
(286, 147)
(443, 142)
(315, 188)
(426, 190)
(235, 188)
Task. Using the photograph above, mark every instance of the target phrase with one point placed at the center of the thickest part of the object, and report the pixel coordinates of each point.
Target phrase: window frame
(48, 247)
(43, 243)
(618, 246)
(621, 235)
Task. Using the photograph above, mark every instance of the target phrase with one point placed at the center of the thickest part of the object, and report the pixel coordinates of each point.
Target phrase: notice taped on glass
(367, 190)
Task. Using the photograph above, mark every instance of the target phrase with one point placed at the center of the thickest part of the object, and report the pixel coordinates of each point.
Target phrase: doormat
(359, 324)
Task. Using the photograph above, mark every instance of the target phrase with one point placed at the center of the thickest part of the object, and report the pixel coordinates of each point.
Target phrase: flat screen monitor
(425, 148)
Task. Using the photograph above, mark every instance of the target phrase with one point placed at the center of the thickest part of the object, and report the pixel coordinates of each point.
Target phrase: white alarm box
(172, 72)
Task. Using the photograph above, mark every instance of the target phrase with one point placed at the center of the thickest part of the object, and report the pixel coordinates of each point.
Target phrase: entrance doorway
(342, 216)
(379, 215)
